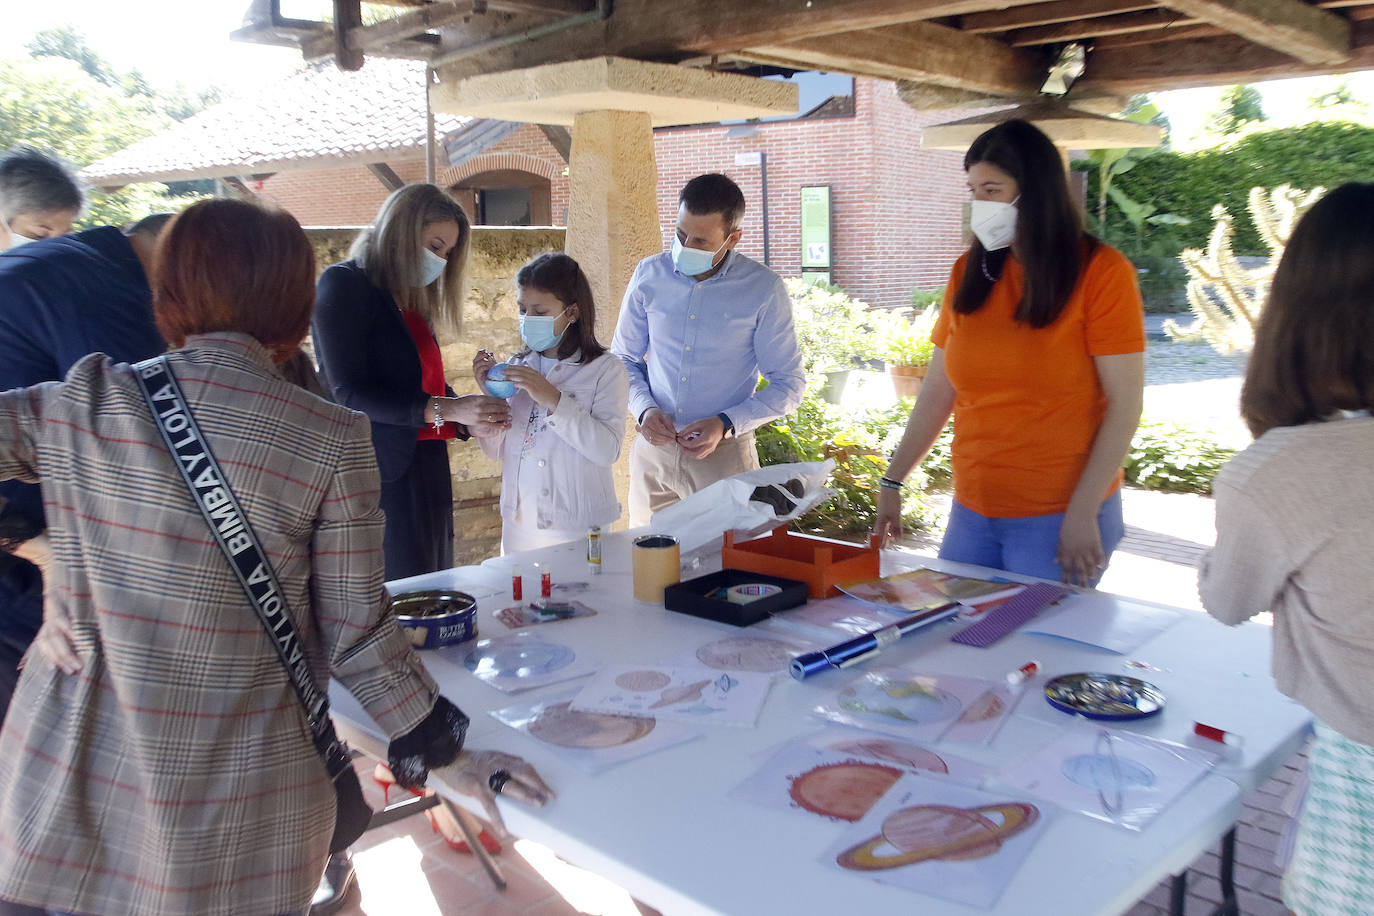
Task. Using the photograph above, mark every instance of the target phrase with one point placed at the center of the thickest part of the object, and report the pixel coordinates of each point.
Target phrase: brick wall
(895, 207)
(351, 195)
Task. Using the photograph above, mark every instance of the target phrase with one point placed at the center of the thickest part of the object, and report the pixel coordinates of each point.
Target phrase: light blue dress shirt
(697, 349)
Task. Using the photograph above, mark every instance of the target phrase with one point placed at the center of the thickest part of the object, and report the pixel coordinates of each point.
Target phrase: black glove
(435, 742)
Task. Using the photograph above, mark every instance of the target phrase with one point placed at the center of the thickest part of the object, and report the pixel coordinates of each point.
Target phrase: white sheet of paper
(697, 694)
(983, 838)
(1098, 619)
(589, 741)
(1114, 776)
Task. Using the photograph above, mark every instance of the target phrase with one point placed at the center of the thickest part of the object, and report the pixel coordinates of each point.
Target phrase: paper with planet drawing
(764, 653)
(591, 741)
(687, 693)
(840, 775)
(1115, 776)
(939, 838)
(921, 707)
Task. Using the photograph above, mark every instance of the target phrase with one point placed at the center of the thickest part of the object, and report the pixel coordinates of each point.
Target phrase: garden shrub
(1173, 458)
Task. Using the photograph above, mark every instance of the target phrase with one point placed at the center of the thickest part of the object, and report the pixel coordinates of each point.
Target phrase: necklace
(987, 273)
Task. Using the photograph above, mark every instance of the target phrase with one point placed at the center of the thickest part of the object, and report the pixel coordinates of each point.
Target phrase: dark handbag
(258, 579)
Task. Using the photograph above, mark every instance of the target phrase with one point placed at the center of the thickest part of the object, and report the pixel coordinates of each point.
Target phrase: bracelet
(438, 418)
(887, 483)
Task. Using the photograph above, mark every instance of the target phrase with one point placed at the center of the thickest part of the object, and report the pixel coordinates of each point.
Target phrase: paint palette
(1108, 697)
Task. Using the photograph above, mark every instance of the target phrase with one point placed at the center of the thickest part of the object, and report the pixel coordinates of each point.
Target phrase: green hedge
(1190, 184)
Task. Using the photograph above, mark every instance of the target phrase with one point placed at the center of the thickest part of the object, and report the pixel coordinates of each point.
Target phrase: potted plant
(907, 349)
(836, 334)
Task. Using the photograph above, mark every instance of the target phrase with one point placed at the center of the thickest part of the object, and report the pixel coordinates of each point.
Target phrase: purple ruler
(1003, 619)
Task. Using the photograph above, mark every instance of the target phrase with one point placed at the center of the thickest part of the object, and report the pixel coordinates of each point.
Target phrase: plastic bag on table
(748, 504)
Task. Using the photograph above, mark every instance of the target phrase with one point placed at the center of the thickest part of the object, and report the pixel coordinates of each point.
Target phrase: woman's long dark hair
(561, 277)
(1049, 237)
(1314, 347)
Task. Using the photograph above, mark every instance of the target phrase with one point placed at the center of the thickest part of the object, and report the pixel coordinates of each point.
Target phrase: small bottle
(594, 549)
(545, 581)
(517, 588)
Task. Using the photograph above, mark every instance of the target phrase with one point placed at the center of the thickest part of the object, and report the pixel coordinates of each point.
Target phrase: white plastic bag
(700, 521)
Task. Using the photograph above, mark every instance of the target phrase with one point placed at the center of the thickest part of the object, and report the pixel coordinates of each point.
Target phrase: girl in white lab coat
(568, 410)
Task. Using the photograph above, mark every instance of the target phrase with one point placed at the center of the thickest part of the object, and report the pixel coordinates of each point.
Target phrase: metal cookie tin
(436, 617)
(1109, 697)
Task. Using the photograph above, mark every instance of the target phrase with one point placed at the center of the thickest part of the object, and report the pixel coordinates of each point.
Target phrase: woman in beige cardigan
(156, 759)
(1295, 532)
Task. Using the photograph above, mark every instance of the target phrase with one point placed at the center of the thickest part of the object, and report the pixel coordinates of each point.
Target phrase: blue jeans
(1023, 545)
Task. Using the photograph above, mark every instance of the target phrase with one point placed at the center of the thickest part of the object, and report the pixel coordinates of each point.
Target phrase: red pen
(1212, 733)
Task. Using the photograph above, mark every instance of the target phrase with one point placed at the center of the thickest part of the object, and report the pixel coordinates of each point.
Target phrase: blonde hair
(389, 253)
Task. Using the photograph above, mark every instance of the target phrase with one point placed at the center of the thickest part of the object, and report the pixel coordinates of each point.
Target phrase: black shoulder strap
(221, 510)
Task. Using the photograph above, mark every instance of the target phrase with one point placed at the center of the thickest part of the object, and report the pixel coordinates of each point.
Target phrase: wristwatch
(729, 431)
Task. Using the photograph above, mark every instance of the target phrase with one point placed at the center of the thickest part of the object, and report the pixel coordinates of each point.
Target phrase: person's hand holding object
(485, 774)
(700, 439)
(475, 410)
(533, 382)
(657, 428)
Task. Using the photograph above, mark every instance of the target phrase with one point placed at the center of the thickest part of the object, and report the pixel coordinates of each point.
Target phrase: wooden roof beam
(1312, 35)
(919, 51)
(671, 29)
(1123, 24)
(1209, 61)
(1038, 14)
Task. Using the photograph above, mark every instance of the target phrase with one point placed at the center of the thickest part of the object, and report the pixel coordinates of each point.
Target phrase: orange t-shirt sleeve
(1114, 315)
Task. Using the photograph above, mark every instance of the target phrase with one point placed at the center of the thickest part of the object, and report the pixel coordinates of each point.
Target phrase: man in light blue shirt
(698, 326)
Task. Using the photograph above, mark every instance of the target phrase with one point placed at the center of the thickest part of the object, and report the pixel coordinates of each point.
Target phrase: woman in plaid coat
(156, 759)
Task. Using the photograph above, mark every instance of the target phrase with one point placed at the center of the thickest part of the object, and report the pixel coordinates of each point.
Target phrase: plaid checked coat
(175, 773)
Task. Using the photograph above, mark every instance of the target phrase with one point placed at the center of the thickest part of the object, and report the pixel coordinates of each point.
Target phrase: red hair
(231, 265)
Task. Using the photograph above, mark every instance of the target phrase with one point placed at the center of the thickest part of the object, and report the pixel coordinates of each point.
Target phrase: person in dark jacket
(373, 331)
(61, 299)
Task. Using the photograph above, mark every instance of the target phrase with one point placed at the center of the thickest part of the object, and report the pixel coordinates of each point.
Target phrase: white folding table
(663, 827)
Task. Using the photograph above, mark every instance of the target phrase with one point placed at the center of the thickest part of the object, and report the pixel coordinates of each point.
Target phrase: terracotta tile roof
(317, 113)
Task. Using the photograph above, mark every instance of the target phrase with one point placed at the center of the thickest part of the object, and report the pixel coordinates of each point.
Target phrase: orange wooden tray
(821, 563)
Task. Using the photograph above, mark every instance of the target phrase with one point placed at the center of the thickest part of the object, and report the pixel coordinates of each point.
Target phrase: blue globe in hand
(497, 384)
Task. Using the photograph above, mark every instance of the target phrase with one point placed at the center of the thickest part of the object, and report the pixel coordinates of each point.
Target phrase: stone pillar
(612, 219)
(613, 207)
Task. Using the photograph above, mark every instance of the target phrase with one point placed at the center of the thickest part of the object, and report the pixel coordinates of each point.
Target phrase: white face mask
(691, 262)
(16, 239)
(431, 266)
(993, 222)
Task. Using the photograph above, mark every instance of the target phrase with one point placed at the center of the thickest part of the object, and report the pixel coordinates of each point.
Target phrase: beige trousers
(660, 475)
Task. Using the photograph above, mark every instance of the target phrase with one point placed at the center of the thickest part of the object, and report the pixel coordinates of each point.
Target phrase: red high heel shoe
(383, 777)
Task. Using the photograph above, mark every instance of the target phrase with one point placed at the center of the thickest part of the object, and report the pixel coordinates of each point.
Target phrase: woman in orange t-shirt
(1040, 357)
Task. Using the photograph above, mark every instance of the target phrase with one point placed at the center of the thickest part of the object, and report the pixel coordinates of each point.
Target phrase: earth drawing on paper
(746, 653)
(563, 727)
(842, 791)
(905, 701)
(925, 832)
(517, 659)
(899, 752)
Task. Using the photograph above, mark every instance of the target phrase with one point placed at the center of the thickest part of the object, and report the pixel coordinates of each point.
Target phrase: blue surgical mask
(537, 331)
(431, 266)
(691, 262)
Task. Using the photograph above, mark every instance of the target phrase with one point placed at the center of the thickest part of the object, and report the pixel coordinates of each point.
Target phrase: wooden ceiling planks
(969, 50)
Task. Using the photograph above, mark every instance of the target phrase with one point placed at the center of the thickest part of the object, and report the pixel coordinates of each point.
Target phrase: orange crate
(821, 563)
